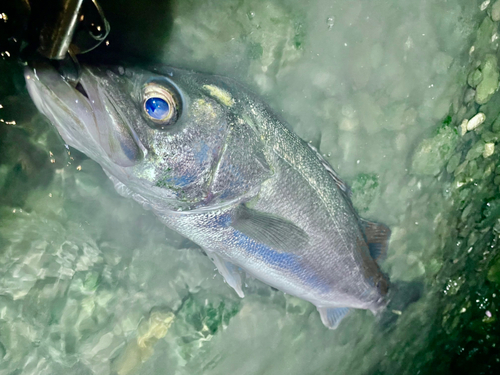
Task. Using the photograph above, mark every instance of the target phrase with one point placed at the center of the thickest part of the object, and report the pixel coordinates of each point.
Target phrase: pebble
(495, 11)
(349, 124)
(489, 79)
(476, 121)
(484, 5)
(330, 21)
(489, 148)
(460, 169)
(463, 126)
(469, 95)
(489, 170)
(474, 78)
(475, 151)
(453, 163)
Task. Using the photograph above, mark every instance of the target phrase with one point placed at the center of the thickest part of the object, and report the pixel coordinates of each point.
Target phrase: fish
(216, 164)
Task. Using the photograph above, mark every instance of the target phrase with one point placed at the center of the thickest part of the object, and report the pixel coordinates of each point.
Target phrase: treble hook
(77, 25)
(65, 29)
(58, 29)
(92, 30)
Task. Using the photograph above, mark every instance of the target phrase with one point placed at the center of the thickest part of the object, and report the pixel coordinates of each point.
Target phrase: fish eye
(159, 104)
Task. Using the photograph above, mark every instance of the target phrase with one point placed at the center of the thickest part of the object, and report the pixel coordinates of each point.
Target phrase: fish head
(158, 131)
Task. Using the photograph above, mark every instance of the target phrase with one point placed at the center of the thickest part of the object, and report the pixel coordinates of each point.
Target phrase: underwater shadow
(135, 25)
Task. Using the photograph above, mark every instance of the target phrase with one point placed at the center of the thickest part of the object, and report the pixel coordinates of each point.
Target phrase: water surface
(90, 283)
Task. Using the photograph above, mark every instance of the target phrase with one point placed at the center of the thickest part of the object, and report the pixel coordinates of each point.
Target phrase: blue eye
(157, 108)
(160, 105)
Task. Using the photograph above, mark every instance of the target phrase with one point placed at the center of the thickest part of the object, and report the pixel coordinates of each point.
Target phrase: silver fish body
(220, 168)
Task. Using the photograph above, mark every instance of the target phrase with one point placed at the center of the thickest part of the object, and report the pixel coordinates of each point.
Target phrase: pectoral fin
(230, 273)
(331, 317)
(274, 231)
(377, 238)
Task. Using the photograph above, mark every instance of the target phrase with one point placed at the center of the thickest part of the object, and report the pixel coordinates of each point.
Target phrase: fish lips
(88, 115)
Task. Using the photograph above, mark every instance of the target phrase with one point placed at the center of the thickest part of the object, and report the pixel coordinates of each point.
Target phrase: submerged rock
(469, 95)
(489, 149)
(494, 271)
(474, 122)
(495, 11)
(140, 350)
(433, 153)
(475, 151)
(453, 163)
(475, 77)
(463, 127)
(489, 83)
(484, 35)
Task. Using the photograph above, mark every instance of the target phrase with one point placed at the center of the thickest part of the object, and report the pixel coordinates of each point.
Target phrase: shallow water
(90, 283)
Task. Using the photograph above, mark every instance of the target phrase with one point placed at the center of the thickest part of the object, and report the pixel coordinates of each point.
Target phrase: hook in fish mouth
(75, 26)
(69, 68)
(59, 32)
(81, 90)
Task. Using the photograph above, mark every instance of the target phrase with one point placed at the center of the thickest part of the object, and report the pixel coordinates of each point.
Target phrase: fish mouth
(86, 113)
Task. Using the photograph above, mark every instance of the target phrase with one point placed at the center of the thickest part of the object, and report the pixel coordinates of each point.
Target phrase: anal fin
(331, 317)
(377, 238)
(230, 273)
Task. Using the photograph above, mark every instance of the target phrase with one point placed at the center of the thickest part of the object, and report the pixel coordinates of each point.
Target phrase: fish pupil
(157, 108)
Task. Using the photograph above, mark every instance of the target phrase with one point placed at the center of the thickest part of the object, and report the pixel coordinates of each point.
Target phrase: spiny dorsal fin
(276, 232)
(377, 238)
(341, 184)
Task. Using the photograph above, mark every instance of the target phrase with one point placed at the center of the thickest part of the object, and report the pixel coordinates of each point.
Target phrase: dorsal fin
(346, 190)
(377, 238)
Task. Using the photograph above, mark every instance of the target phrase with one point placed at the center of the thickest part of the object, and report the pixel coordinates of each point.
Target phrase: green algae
(208, 318)
(364, 189)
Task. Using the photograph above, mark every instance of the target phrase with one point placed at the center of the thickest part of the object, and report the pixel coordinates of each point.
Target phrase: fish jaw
(65, 107)
(88, 119)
